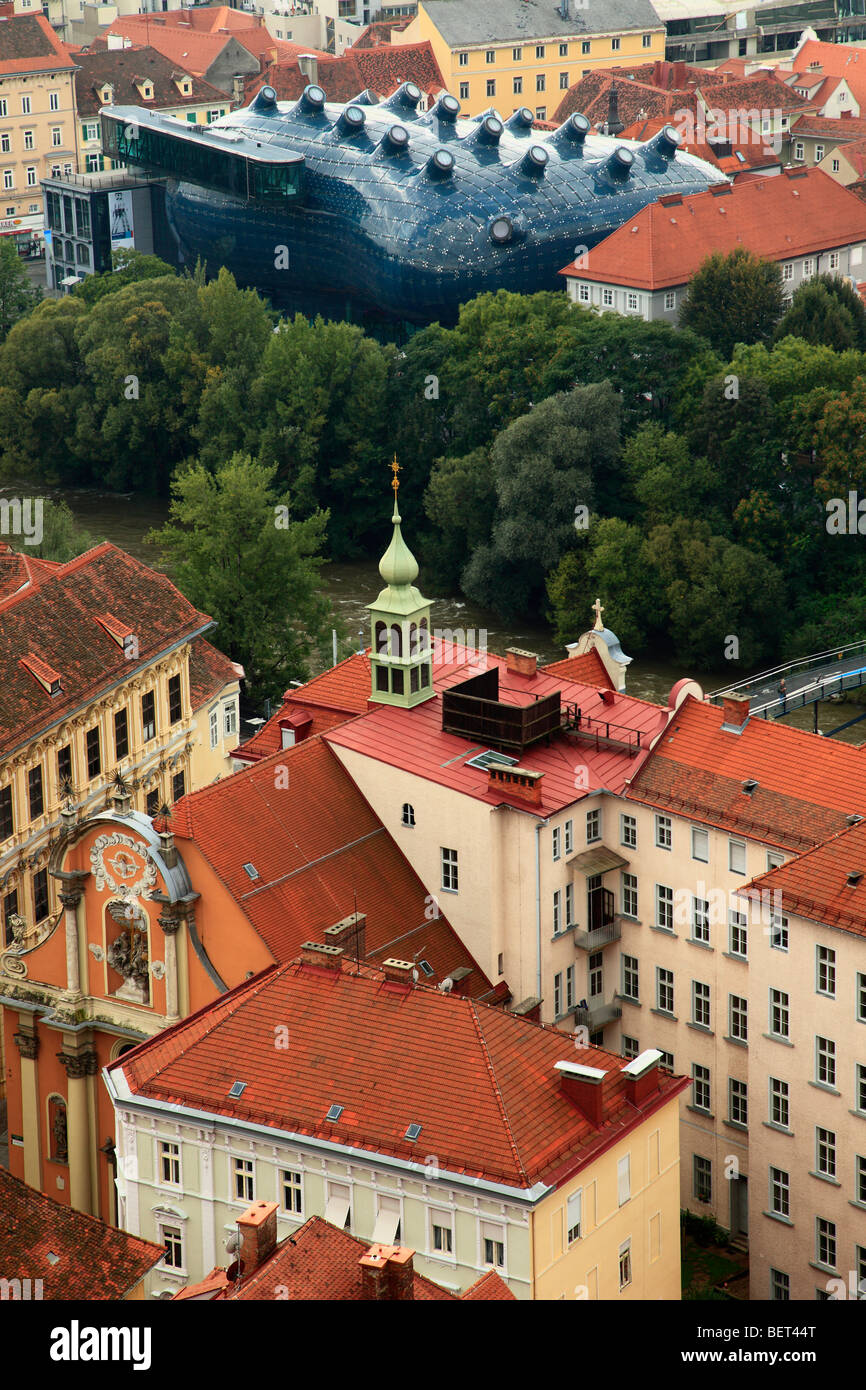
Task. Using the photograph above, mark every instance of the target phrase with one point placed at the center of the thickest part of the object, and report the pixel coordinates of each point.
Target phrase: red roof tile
(797, 213)
(29, 44)
(833, 60)
(124, 67)
(490, 1288)
(755, 155)
(816, 885)
(210, 671)
(380, 31)
(325, 701)
(75, 1255)
(839, 129)
(481, 1083)
(382, 69)
(588, 669)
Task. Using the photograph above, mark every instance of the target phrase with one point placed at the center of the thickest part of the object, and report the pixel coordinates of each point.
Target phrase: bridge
(782, 689)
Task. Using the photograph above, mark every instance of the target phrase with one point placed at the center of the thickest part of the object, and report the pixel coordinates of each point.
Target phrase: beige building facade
(38, 131)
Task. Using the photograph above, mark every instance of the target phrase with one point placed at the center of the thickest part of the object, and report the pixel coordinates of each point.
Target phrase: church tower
(401, 658)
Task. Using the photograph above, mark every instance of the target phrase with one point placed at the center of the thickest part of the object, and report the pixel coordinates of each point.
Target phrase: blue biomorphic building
(376, 210)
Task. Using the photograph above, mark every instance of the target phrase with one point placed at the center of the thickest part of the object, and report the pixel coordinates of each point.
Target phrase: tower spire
(401, 651)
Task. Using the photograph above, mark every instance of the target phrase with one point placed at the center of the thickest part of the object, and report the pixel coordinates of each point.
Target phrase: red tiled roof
(54, 617)
(19, 571)
(807, 785)
(755, 154)
(380, 31)
(29, 44)
(835, 60)
(838, 128)
(382, 69)
(414, 739)
(798, 213)
(481, 1083)
(75, 1255)
(588, 669)
(328, 699)
(316, 868)
(490, 1288)
(816, 885)
(855, 153)
(190, 49)
(210, 671)
(123, 68)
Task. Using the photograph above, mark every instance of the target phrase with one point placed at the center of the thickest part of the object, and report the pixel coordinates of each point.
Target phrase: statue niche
(127, 952)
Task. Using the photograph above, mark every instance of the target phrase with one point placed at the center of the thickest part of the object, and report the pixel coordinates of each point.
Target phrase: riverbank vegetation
(548, 454)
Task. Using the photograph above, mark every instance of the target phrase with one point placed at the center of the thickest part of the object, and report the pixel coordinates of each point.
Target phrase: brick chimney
(519, 782)
(387, 1272)
(258, 1232)
(350, 934)
(521, 663)
(735, 712)
(400, 971)
(643, 1076)
(583, 1086)
(314, 953)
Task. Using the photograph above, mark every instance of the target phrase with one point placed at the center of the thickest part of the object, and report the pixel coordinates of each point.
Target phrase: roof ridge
(496, 1091)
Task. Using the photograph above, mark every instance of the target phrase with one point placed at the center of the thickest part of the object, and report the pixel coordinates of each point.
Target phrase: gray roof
(514, 21)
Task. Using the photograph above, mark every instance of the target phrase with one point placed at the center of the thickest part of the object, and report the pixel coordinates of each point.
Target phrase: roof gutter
(121, 1095)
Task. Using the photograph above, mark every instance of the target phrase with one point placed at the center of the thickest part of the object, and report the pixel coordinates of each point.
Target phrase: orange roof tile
(210, 671)
(818, 885)
(838, 128)
(588, 669)
(815, 58)
(325, 701)
(381, 69)
(482, 1084)
(29, 44)
(490, 1288)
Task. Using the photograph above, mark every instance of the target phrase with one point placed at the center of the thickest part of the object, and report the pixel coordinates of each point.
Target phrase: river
(126, 520)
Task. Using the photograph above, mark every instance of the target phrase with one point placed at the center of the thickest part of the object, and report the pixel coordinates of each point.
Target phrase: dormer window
(47, 677)
(106, 94)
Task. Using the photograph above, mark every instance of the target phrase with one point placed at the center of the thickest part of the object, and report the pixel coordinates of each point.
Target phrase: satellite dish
(233, 1244)
(446, 985)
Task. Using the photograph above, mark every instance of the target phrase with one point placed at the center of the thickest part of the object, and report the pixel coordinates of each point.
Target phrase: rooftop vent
(722, 190)
(490, 758)
(334, 1113)
(521, 782)
(251, 871)
(440, 165)
(534, 162)
(314, 953)
(395, 140)
(520, 120)
(583, 1085)
(501, 230)
(237, 1089)
(406, 98)
(750, 786)
(413, 1131)
(854, 878)
(399, 971)
(447, 108)
(312, 100)
(521, 663)
(352, 120)
(853, 819)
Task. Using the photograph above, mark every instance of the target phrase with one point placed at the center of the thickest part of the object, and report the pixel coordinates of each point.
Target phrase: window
(5, 143)
(825, 1061)
(583, 294)
(463, 60)
(614, 45)
(569, 988)
(4, 106)
(670, 299)
(93, 163)
(779, 1103)
(703, 1178)
(557, 911)
(737, 856)
(148, 716)
(557, 837)
(539, 82)
(517, 55)
(780, 1286)
(169, 1162)
(809, 264)
(557, 995)
(56, 136)
(825, 1242)
(35, 791)
(53, 101)
(539, 50)
(493, 1244)
(819, 153)
(623, 1180)
(780, 1192)
(175, 700)
(464, 91)
(64, 768)
(701, 920)
(629, 895)
(628, 831)
(585, 46)
(172, 1238)
(607, 296)
(666, 1062)
(573, 1213)
(631, 301)
(779, 933)
(214, 728)
(647, 40)
(563, 81)
(663, 832)
(739, 937)
(779, 1013)
(442, 1232)
(569, 836)
(700, 1004)
(8, 179)
(91, 131)
(593, 826)
(491, 86)
(338, 1206)
(664, 990)
(10, 909)
(825, 971)
(738, 1102)
(625, 1264)
(825, 1151)
(490, 55)
(799, 150)
(541, 113)
(860, 1088)
(25, 106)
(29, 140)
(151, 803)
(450, 877)
(178, 785)
(563, 50)
(387, 1228)
(31, 176)
(40, 895)
(408, 816)
(242, 1169)
(94, 756)
(517, 86)
(121, 734)
(861, 998)
(700, 1087)
(230, 719)
(738, 1017)
(860, 1186)
(569, 904)
(596, 968)
(630, 1046)
(630, 981)
(664, 907)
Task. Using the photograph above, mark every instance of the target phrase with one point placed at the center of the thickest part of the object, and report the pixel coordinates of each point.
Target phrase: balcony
(597, 937)
(597, 1014)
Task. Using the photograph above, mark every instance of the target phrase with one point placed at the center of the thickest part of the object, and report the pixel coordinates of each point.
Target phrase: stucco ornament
(123, 865)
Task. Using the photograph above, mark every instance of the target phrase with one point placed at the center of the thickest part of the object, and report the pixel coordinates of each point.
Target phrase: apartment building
(38, 132)
(524, 53)
(497, 1144)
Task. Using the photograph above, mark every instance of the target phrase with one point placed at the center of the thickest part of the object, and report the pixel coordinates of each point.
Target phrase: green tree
(460, 501)
(733, 298)
(62, 538)
(17, 295)
(235, 553)
(666, 481)
(619, 570)
(828, 310)
(42, 389)
(128, 267)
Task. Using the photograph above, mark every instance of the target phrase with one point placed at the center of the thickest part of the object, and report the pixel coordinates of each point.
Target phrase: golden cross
(395, 469)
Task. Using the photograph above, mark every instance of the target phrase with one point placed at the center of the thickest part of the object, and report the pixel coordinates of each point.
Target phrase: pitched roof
(505, 21)
(75, 1255)
(838, 128)
(636, 99)
(834, 60)
(826, 884)
(29, 44)
(491, 1287)
(482, 1084)
(55, 617)
(745, 156)
(190, 49)
(797, 213)
(807, 785)
(380, 31)
(382, 69)
(315, 869)
(124, 67)
(588, 669)
(210, 671)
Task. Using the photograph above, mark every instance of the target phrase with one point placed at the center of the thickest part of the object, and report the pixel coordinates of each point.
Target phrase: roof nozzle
(440, 165)
(569, 137)
(406, 98)
(665, 142)
(447, 108)
(619, 164)
(352, 120)
(312, 100)
(365, 98)
(520, 121)
(534, 162)
(395, 140)
(264, 101)
(490, 130)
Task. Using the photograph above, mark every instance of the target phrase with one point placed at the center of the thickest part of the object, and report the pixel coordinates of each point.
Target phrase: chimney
(258, 1232)
(399, 971)
(519, 782)
(583, 1086)
(643, 1076)
(457, 977)
(350, 934)
(238, 89)
(387, 1272)
(735, 712)
(314, 953)
(613, 124)
(521, 663)
(678, 76)
(309, 65)
(529, 1008)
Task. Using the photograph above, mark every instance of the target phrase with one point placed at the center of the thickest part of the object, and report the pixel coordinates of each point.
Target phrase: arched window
(58, 1147)
(396, 640)
(408, 814)
(381, 639)
(425, 635)
(413, 639)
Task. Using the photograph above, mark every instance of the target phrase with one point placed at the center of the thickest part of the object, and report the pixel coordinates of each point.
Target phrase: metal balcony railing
(596, 937)
(598, 1014)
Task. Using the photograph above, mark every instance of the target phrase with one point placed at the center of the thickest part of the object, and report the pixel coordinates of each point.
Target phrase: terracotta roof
(380, 31)
(55, 618)
(807, 785)
(835, 60)
(755, 155)
(839, 129)
(817, 884)
(855, 153)
(798, 213)
(315, 869)
(210, 671)
(29, 44)
(490, 1288)
(19, 571)
(325, 701)
(764, 91)
(75, 1255)
(635, 99)
(190, 49)
(415, 741)
(588, 669)
(481, 1083)
(124, 67)
(382, 69)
